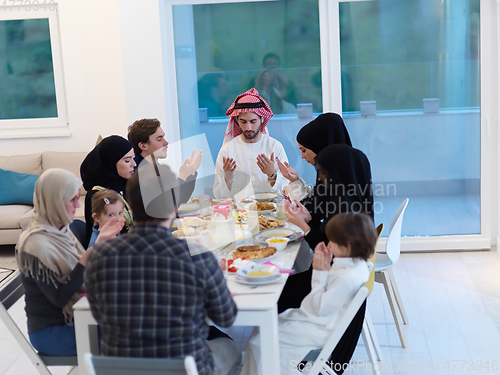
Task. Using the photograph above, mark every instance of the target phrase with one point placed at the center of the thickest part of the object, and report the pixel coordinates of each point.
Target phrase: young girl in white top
(352, 239)
(106, 204)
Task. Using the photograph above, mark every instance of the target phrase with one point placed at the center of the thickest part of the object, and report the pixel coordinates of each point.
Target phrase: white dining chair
(368, 331)
(103, 365)
(317, 360)
(383, 270)
(9, 295)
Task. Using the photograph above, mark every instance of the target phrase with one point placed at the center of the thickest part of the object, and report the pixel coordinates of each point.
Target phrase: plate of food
(263, 197)
(262, 207)
(256, 273)
(254, 252)
(264, 235)
(186, 209)
(267, 223)
(245, 203)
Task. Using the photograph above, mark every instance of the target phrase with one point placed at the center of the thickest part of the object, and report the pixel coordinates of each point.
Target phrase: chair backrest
(79, 229)
(102, 365)
(393, 245)
(338, 332)
(372, 259)
(9, 295)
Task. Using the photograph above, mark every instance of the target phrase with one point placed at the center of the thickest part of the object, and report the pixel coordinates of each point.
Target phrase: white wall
(93, 74)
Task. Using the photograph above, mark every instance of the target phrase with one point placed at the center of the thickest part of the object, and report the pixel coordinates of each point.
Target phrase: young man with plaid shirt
(150, 295)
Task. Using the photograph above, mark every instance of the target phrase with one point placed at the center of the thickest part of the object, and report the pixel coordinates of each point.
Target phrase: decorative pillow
(17, 188)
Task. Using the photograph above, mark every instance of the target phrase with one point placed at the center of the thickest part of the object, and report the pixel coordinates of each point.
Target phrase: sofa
(16, 217)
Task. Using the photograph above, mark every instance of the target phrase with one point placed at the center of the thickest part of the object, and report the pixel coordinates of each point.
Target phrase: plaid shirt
(151, 298)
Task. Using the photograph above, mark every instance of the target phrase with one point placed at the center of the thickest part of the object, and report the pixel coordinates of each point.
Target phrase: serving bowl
(278, 242)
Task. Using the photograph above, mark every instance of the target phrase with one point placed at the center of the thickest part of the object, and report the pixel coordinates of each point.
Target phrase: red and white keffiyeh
(249, 101)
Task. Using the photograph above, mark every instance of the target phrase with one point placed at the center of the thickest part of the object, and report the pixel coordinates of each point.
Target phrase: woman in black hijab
(325, 130)
(344, 185)
(108, 166)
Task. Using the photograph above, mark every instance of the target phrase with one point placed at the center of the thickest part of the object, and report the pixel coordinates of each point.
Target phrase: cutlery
(282, 270)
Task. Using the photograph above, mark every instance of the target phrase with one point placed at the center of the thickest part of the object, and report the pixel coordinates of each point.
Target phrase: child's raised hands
(111, 229)
(322, 257)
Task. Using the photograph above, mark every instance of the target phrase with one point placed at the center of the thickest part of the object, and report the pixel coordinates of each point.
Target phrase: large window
(416, 63)
(272, 46)
(398, 53)
(30, 71)
(406, 75)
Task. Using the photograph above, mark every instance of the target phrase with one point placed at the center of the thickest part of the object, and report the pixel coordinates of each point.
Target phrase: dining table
(257, 306)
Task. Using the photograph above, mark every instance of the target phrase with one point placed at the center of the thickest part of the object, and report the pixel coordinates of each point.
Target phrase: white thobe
(252, 180)
(304, 329)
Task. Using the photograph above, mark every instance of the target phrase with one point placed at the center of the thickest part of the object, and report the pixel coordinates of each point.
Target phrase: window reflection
(275, 49)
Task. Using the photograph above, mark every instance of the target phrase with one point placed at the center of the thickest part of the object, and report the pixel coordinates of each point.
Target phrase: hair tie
(106, 200)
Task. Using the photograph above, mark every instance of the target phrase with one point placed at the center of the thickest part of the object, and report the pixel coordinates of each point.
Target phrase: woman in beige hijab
(52, 262)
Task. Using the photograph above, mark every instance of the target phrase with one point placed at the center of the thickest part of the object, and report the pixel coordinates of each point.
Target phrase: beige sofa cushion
(10, 214)
(31, 164)
(26, 217)
(70, 161)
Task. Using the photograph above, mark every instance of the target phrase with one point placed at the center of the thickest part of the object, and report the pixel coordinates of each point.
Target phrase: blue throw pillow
(17, 188)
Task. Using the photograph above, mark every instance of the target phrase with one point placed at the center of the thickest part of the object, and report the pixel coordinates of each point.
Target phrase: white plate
(293, 227)
(186, 209)
(240, 280)
(261, 237)
(265, 211)
(263, 197)
(244, 272)
(245, 204)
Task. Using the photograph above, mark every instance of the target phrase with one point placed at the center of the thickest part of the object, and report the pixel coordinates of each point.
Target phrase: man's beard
(254, 134)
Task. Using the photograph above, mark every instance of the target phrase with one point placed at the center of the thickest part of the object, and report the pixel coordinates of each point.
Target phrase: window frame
(330, 45)
(40, 127)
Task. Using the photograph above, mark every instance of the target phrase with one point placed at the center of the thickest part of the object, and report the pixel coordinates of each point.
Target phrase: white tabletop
(253, 310)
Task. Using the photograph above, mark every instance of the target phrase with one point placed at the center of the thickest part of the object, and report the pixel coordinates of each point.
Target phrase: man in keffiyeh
(247, 160)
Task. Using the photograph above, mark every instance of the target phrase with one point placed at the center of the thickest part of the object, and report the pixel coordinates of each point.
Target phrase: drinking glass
(204, 206)
(222, 257)
(280, 209)
(253, 222)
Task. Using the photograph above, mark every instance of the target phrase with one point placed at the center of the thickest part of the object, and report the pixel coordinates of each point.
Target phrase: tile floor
(453, 305)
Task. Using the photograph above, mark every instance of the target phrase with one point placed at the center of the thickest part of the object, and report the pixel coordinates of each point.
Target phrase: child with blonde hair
(352, 238)
(106, 204)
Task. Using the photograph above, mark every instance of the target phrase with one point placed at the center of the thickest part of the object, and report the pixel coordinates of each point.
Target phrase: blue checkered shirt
(151, 298)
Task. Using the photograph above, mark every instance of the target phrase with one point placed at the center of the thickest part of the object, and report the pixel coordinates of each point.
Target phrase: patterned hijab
(326, 129)
(48, 250)
(249, 101)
